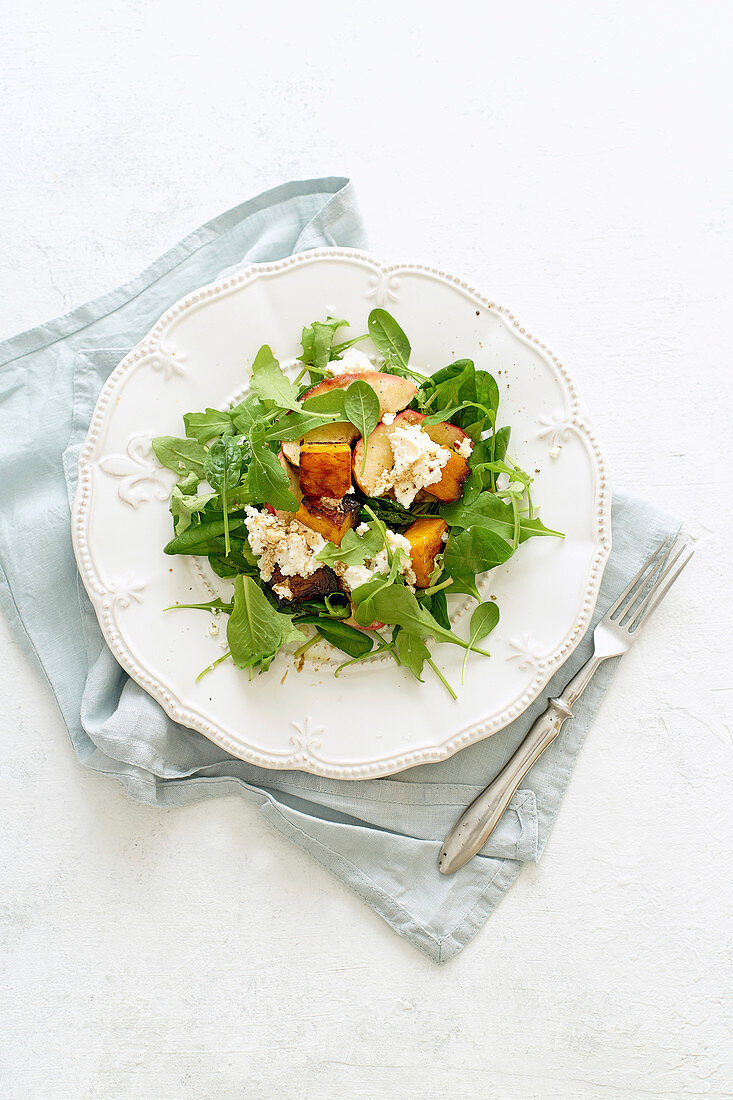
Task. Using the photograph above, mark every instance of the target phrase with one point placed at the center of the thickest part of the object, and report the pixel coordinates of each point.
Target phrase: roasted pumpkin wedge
(332, 519)
(325, 469)
(425, 537)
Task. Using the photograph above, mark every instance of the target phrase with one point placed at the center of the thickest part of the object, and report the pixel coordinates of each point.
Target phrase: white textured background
(574, 160)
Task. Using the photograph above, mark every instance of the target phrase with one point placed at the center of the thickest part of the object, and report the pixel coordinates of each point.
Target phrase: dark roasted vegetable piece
(319, 584)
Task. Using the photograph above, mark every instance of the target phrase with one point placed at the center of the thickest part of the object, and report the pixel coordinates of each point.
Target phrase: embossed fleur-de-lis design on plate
(167, 360)
(141, 478)
(527, 652)
(307, 742)
(126, 590)
(384, 287)
(555, 428)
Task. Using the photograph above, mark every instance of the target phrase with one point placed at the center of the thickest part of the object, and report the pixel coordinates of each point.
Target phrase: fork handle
(475, 826)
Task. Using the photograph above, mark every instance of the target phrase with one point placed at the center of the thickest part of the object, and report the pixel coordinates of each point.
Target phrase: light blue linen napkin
(381, 837)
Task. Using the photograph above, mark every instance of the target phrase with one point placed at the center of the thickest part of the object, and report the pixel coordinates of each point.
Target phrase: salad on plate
(351, 501)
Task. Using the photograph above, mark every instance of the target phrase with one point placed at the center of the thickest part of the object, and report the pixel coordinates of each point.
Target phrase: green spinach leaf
(255, 630)
(388, 338)
(412, 652)
(197, 538)
(489, 511)
(361, 406)
(473, 551)
(347, 638)
(223, 471)
(484, 619)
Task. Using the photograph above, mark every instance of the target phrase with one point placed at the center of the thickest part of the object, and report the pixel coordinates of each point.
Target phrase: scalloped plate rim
(103, 597)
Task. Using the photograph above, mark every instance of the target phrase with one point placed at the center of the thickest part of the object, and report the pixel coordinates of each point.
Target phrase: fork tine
(660, 588)
(652, 561)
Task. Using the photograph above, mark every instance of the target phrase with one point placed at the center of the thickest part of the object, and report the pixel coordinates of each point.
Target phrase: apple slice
(447, 435)
(379, 458)
(293, 484)
(394, 393)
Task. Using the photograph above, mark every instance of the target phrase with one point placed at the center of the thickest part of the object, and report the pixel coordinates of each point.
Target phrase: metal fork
(613, 636)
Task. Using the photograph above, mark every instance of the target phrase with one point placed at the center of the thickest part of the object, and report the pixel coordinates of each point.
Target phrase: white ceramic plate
(374, 719)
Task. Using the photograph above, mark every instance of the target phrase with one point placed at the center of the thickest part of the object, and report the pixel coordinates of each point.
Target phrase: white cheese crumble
(213, 629)
(388, 418)
(418, 462)
(352, 361)
(464, 448)
(354, 575)
(284, 591)
(289, 545)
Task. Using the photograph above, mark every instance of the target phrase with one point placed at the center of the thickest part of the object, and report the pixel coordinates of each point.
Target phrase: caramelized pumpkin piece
(325, 469)
(329, 518)
(425, 537)
(450, 486)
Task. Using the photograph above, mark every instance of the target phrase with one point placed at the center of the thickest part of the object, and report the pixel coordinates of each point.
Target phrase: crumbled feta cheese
(213, 629)
(418, 461)
(289, 545)
(352, 361)
(362, 529)
(464, 448)
(388, 418)
(284, 591)
(354, 575)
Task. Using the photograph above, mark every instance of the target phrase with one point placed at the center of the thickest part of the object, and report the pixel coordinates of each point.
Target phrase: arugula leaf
(388, 338)
(208, 425)
(255, 630)
(317, 342)
(270, 384)
(247, 413)
(184, 506)
(223, 470)
(210, 605)
(354, 549)
(184, 456)
(484, 619)
(197, 538)
(322, 409)
(361, 406)
(268, 482)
